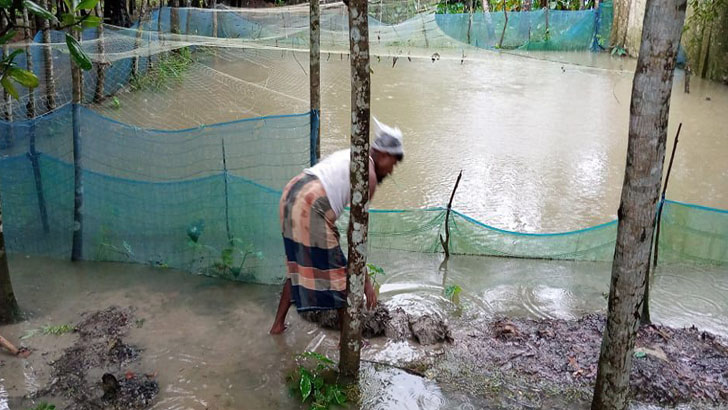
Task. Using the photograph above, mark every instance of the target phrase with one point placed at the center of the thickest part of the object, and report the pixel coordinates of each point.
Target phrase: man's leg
(280, 323)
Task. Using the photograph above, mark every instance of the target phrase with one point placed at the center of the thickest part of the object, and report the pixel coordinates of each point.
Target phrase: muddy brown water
(542, 146)
(207, 338)
(541, 137)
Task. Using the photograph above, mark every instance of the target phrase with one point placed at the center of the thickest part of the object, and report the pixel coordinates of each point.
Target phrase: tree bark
(213, 6)
(315, 77)
(359, 177)
(174, 18)
(505, 24)
(649, 112)
(77, 91)
(620, 23)
(7, 98)
(138, 42)
(48, 63)
(100, 65)
(116, 12)
(9, 310)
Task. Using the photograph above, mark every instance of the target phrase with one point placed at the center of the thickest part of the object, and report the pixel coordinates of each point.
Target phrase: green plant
(49, 330)
(115, 103)
(44, 406)
(317, 381)
(169, 68)
(619, 51)
(79, 18)
(228, 262)
(57, 330)
(374, 271)
(452, 293)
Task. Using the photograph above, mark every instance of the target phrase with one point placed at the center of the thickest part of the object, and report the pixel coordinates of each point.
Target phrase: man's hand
(370, 294)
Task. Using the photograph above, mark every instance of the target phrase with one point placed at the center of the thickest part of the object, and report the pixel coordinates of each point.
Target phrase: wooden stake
(446, 242)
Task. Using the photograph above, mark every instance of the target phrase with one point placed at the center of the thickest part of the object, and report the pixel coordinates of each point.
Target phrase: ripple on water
(387, 388)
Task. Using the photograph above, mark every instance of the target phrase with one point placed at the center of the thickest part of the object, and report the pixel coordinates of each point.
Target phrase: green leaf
(39, 11)
(12, 56)
(305, 385)
(318, 382)
(6, 4)
(86, 5)
(8, 86)
(68, 19)
(23, 77)
(7, 36)
(91, 22)
(317, 356)
(339, 396)
(227, 256)
(79, 56)
(640, 354)
(69, 5)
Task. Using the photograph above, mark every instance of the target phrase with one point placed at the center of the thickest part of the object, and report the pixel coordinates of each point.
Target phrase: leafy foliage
(170, 68)
(79, 18)
(228, 262)
(317, 381)
(44, 406)
(452, 293)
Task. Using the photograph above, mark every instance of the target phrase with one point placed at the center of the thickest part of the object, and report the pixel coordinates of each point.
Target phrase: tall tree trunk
(77, 90)
(649, 110)
(31, 113)
(101, 64)
(50, 100)
(116, 12)
(213, 6)
(359, 176)
(489, 29)
(9, 310)
(620, 23)
(315, 79)
(505, 24)
(138, 42)
(7, 98)
(174, 18)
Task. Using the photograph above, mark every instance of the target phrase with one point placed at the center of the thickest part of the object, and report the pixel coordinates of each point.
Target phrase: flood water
(541, 140)
(207, 338)
(541, 137)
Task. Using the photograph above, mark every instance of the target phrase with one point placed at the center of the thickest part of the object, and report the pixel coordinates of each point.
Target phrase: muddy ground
(99, 371)
(523, 363)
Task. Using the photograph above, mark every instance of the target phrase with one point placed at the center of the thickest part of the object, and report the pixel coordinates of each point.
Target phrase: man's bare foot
(23, 353)
(277, 329)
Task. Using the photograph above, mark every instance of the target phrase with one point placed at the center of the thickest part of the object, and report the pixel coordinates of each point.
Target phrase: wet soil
(522, 362)
(99, 370)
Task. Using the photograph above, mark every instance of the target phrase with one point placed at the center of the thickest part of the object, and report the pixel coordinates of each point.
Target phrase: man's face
(384, 165)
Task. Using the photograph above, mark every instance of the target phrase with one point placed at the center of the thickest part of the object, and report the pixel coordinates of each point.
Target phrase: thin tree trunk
(137, 43)
(505, 24)
(489, 29)
(9, 310)
(7, 98)
(50, 100)
(470, 18)
(359, 176)
(645, 159)
(620, 23)
(688, 73)
(32, 112)
(77, 88)
(101, 64)
(174, 17)
(546, 17)
(315, 79)
(213, 5)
